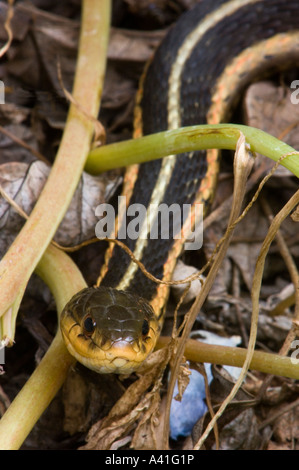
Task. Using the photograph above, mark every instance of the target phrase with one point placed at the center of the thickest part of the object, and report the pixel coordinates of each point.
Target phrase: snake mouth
(109, 336)
(119, 357)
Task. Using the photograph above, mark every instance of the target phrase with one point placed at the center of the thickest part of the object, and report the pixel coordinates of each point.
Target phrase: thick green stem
(213, 354)
(220, 136)
(64, 280)
(35, 396)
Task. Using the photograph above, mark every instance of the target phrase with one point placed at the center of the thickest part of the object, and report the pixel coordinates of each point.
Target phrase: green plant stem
(26, 251)
(64, 279)
(219, 136)
(268, 363)
(35, 396)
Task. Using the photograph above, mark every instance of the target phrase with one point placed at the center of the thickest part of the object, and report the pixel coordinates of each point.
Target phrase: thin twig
(7, 27)
(292, 268)
(286, 409)
(239, 190)
(256, 285)
(22, 143)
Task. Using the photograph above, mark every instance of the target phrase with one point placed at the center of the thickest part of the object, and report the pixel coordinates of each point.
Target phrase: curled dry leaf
(277, 303)
(102, 438)
(135, 404)
(24, 183)
(183, 380)
(145, 434)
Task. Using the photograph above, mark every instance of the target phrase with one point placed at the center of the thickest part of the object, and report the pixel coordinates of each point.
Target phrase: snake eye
(89, 326)
(145, 328)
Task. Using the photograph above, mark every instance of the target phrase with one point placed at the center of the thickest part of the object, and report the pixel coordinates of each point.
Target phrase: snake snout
(109, 330)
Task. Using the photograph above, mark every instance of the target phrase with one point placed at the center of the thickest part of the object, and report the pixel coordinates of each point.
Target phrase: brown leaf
(20, 22)
(251, 232)
(135, 46)
(286, 429)
(145, 437)
(75, 391)
(24, 183)
(182, 380)
(133, 405)
(269, 107)
(238, 427)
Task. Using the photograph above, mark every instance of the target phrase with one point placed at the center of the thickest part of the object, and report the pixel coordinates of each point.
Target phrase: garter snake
(196, 76)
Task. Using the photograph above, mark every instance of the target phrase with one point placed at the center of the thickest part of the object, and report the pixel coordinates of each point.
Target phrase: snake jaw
(125, 330)
(121, 357)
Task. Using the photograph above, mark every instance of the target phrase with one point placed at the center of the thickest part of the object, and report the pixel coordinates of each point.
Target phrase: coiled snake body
(196, 76)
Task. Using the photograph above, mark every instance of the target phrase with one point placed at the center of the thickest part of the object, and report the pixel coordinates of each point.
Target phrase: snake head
(109, 330)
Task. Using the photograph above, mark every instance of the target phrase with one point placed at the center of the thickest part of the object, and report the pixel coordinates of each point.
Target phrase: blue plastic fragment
(184, 414)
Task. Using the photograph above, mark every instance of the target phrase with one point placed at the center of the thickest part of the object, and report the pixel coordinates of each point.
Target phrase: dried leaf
(10, 147)
(54, 33)
(23, 183)
(20, 22)
(133, 405)
(286, 429)
(270, 108)
(252, 231)
(277, 303)
(135, 46)
(243, 431)
(75, 396)
(145, 437)
(182, 380)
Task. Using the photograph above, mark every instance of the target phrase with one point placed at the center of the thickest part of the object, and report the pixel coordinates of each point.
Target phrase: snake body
(197, 76)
